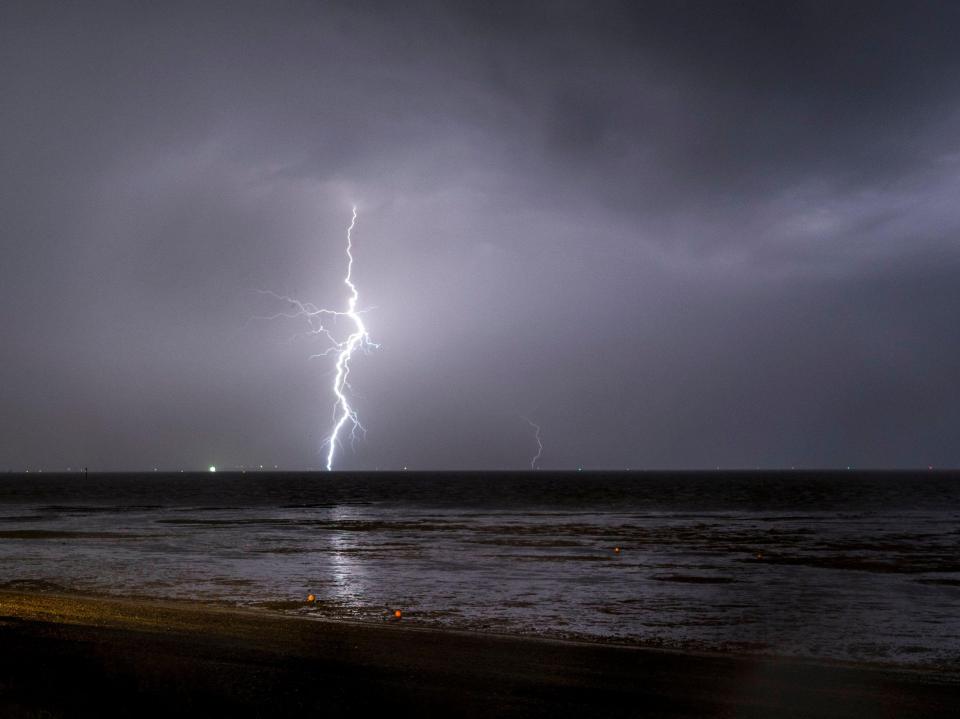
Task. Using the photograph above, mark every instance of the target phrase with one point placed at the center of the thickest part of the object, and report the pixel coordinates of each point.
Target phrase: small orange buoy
(397, 614)
(616, 550)
(311, 598)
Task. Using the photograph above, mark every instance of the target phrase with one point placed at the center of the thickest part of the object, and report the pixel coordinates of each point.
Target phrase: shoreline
(118, 611)
(69, 655)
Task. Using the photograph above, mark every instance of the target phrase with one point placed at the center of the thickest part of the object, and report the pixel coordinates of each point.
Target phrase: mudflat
(63, 656)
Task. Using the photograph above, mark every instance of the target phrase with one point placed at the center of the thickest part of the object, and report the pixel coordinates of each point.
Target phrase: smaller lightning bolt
(536, 427)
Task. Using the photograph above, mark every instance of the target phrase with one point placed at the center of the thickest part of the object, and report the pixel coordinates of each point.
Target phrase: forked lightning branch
(322, 323)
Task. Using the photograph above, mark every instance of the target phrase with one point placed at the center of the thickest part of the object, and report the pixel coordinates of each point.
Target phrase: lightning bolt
(357, 340)
(536, 427)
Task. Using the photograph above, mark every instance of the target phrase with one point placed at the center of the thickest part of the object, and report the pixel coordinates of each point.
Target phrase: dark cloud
(676, 234)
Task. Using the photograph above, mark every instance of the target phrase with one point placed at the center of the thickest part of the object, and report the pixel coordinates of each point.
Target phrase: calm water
(848, 566)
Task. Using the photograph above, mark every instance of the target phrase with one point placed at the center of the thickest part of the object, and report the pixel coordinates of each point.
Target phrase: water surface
(849, 566)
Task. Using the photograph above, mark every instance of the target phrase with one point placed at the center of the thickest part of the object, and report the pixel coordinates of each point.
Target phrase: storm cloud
(674, 234)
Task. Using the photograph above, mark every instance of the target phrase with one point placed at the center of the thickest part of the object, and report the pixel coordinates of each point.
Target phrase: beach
(69, 656)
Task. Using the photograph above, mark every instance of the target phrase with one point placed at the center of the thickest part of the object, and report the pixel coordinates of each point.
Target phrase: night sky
(676, 235)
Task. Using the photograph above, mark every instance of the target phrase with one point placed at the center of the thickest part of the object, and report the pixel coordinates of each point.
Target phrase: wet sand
(63, 656)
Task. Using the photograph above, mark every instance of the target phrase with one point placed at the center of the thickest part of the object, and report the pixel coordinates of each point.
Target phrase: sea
(848, 566)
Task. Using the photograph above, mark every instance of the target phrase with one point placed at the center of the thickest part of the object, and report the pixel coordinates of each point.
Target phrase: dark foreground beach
(76, 656)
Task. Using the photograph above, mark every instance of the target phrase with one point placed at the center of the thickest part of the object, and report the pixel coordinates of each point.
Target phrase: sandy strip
(64, 656)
